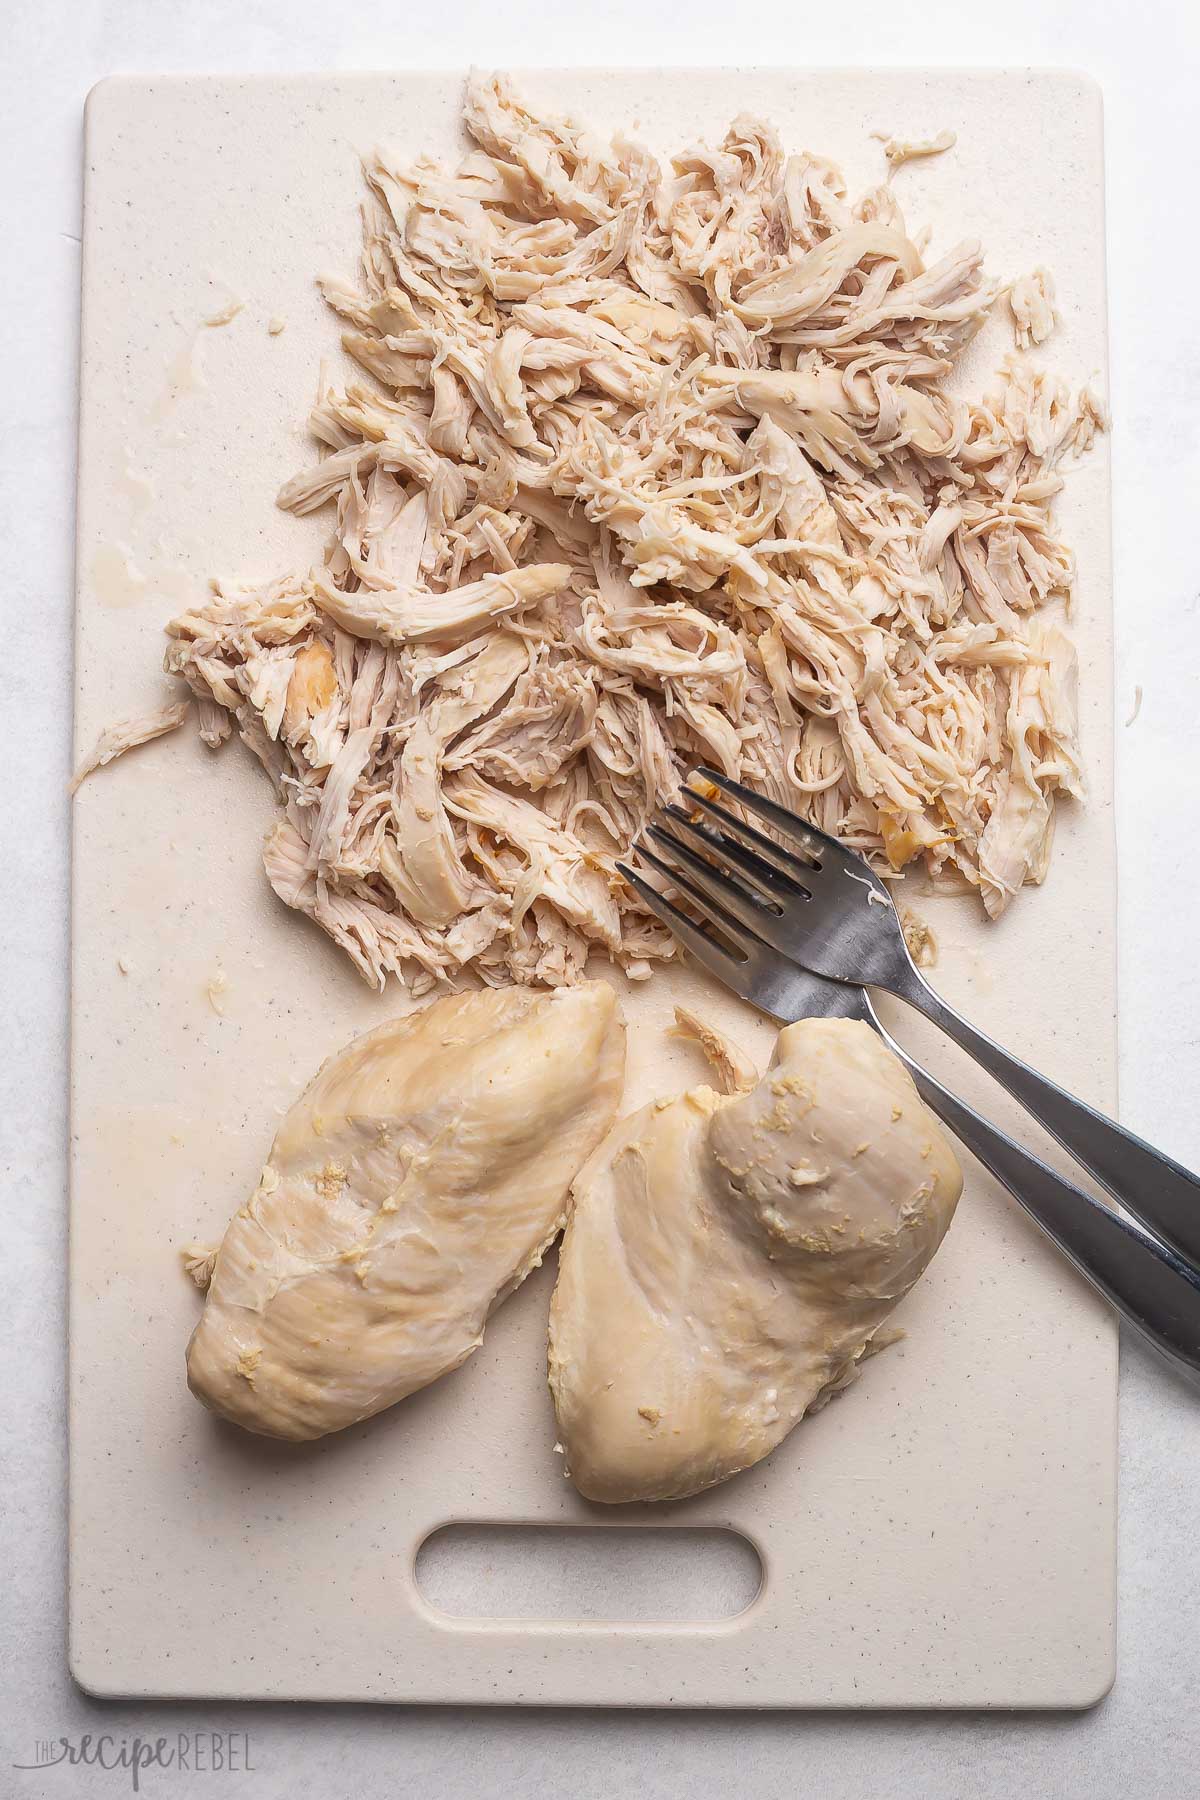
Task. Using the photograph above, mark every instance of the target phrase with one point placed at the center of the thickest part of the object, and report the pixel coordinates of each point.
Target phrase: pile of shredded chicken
(645, 468)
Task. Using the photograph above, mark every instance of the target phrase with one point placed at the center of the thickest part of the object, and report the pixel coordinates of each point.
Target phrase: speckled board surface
(943, 1536)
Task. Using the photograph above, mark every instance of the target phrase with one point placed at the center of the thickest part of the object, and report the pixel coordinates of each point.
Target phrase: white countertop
(1144, 1739)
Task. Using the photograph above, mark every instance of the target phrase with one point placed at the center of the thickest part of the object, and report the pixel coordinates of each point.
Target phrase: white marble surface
(1144, 1739)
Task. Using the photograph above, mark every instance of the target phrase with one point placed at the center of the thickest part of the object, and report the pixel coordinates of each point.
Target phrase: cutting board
(943, 1535)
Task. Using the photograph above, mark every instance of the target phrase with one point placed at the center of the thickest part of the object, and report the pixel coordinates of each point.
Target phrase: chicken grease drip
(647, 466)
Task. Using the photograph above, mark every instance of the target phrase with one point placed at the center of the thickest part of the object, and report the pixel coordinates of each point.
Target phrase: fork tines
(695, 856)
(808, 844)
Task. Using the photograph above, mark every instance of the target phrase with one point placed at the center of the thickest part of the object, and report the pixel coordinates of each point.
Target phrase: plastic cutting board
(941, 1536)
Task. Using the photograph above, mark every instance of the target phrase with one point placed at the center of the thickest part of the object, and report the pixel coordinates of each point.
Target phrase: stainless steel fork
(1151, 1286)
(822, 906)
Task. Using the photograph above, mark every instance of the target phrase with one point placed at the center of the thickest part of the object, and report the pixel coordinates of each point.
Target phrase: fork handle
(1150, 1286)
(1161, 1193)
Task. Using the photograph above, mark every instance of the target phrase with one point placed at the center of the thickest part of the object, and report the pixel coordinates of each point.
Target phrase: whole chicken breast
(411, 1188)
(729, 1260)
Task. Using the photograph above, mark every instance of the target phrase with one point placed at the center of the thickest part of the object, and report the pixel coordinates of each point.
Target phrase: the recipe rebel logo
(194, 1752)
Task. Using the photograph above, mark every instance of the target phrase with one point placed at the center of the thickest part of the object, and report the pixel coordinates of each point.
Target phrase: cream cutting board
(943, 1535)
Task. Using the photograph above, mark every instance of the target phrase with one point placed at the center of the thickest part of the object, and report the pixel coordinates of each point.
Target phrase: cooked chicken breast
(412, 1187)
(729, 1261)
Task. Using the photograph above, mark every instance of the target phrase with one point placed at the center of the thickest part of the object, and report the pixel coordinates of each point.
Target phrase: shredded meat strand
(115, 740)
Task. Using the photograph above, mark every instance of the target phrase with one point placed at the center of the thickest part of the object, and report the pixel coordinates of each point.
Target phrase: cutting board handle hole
(594, 1574)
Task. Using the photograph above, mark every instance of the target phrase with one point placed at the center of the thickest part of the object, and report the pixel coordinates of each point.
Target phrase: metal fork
(1150, 1285)
(822, 906)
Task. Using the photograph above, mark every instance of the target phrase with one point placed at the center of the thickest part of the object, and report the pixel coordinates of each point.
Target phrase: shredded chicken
(901, 150)
(918, 935)
(734, 1072)
(646, 466)
(199, 1261)
(226, 314)
(115, 740)
(1031, 302)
